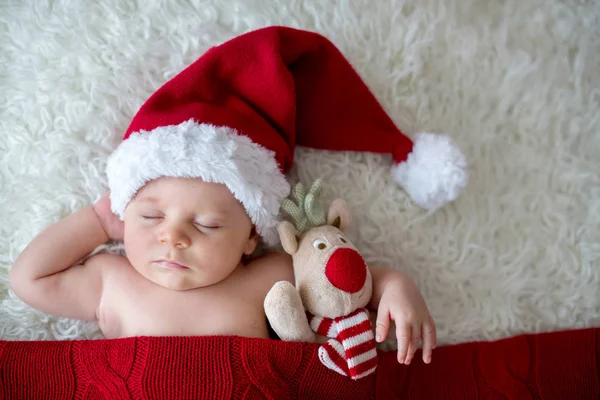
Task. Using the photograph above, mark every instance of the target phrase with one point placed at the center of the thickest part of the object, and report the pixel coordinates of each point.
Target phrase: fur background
(516, 83)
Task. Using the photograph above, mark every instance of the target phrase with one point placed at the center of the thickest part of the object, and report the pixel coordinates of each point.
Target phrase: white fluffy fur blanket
(516, 83)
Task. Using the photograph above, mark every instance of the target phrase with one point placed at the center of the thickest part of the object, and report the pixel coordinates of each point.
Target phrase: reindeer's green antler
(295, 208)
(305, 209)
(313, 206)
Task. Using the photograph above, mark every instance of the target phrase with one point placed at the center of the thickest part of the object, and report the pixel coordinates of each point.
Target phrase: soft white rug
(516, 83)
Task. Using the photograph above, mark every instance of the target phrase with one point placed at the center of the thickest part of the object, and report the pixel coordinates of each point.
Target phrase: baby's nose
(174, 237)
(346, 270)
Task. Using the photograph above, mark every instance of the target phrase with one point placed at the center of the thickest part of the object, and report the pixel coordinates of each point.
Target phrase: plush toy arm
(286, 314)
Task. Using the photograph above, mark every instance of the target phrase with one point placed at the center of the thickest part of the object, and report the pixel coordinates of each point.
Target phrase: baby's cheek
(134, 243)
(225, 253)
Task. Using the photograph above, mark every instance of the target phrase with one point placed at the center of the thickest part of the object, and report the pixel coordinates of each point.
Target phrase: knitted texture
(305, 209)
(351, 349)
(560, 365)
(548, 366)
(218, 367)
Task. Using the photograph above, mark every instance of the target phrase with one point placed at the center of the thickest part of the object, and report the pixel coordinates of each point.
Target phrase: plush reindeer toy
(333, 286)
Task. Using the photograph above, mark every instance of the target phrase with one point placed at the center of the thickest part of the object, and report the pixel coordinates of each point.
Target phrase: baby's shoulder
(106, 260)
(272, 267)
(108, 264)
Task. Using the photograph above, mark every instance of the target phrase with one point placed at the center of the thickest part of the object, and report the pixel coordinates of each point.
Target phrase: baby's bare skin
(131, 305)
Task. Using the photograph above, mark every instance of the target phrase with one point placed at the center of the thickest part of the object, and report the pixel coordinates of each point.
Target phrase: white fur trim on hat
(434, 172)
(215, 154)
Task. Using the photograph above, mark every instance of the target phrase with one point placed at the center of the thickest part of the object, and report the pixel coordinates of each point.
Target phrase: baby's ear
(288, 236)
(339, 215)
(252, 241)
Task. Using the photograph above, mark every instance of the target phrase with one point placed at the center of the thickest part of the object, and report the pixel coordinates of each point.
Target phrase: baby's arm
(399, 301)
(45, 277)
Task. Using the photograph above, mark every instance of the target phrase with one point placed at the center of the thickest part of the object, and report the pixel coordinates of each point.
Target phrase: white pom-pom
(434, 172)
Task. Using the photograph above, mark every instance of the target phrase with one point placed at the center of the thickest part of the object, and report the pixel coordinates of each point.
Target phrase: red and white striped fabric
(351, 349)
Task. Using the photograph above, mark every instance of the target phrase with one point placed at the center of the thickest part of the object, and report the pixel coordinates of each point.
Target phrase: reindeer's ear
(339, 215)
(288, 236)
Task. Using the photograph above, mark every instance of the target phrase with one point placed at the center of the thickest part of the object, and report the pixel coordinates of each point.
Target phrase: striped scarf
(351, 348)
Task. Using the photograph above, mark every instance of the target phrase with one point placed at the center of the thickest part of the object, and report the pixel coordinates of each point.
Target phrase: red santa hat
(235, 115)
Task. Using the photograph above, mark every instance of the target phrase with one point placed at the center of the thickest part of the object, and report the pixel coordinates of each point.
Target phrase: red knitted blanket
(561, 365)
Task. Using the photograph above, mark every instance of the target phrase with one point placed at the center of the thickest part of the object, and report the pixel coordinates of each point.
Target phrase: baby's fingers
(382, 324)
(429, 340)
(413, 343)
(403, 337)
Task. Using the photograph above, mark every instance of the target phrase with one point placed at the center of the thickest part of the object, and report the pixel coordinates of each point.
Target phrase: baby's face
(196, 224)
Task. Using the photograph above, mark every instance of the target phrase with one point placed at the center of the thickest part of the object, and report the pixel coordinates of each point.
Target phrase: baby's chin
(181, 280)
(180, 286)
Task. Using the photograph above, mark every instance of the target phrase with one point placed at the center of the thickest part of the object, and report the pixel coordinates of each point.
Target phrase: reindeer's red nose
(346, 270)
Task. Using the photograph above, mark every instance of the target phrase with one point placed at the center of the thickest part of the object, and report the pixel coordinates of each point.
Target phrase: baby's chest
(147, 310)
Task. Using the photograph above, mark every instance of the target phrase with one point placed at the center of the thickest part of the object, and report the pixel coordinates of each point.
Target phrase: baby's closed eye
(207, 225)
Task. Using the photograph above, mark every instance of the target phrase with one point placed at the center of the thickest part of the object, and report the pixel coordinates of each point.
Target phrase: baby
(184, 274)
(198, 181)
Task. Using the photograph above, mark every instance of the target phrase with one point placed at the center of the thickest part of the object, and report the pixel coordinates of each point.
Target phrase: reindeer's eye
(342, 239)
(319, 244)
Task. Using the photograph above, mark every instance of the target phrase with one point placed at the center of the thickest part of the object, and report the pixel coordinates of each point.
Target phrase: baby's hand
(112, 225)
(402, 302)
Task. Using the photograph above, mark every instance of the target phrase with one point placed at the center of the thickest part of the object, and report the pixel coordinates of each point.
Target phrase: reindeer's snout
(346, 270)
